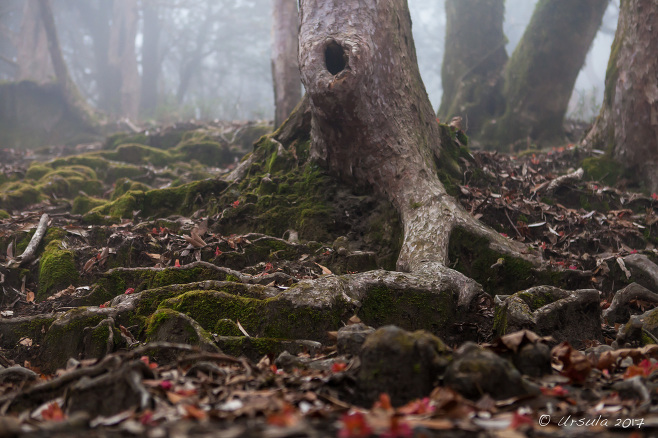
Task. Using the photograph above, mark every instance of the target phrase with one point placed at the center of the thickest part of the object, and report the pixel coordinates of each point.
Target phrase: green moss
(37, 170)
(226, 327)
(603, 169)
(273, 317)
(125, 185)
(408, 309)
(139, 154)
(205, 151)
(4, 214)
(472, 256)
(163, 202)
(83, 203)
(18, 195)
(57, 270)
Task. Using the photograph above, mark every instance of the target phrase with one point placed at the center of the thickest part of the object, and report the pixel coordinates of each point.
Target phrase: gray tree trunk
(627, 127)
(123, 58)
(285, 67)
(372, 125)
(542, 71)
(473, 62)
(33, 57)
(150, 58)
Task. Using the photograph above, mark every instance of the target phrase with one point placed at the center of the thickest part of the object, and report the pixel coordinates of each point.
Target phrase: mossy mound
(603, 169)
(182, 200)
(57, 270)
(166, 325)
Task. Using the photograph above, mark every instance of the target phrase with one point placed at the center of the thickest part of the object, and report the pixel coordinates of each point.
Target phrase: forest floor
(152, 302)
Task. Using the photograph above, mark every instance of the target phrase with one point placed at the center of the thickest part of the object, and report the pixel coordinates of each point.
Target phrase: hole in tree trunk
(335, 58)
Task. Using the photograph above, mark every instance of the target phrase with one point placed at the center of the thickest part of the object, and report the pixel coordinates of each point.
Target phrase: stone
(476, 372)
(405, 365)
(351, 338)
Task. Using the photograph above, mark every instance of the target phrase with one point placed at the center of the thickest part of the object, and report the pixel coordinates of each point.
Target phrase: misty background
(213, 56)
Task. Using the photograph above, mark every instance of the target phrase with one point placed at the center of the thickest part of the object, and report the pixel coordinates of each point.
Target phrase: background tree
(538, 78)
(122, 58)
(473, 61)
(627, 127)
(33, 57)
(151, 57)
(285, 68)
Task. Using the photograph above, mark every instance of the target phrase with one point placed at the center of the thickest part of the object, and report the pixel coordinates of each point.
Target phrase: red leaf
(337, 367)
(129, 291)
(519, 420)
(53, 413)
(236, 203)
(354, 425)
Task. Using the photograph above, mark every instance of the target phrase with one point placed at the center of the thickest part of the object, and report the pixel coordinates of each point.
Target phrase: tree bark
(285, 67)
(373, 126)
(150, 58)
(473, 61)
(33, 57)
(61, 72)
(627, 126)
(96, 19)
(122, 57)
(542, 71)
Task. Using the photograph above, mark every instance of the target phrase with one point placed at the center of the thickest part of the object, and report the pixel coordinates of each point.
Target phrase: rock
(256, 348)
(402, 364)
(475, 372)
(573, 316)
(643, 271)
(534, 359)
(621, 308)
(633, 389)
(13, 330)
(166, 325)
(634, 334)
(351, 338)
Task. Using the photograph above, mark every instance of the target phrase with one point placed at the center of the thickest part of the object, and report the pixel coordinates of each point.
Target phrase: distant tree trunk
(95, 16)
(191, 64)
(473, 61)
(285, 67)
(627, 126)
(122, 57)
(150, 58)
(373, 126)
(542, 71)
(61, 71)
(33, 57)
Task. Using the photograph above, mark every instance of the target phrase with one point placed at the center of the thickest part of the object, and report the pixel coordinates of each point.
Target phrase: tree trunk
(150, 58)
(627, 126)
(285, 67)
(61, 72)
(96, 19)
(33, 57)
(473, 61)
(122, 56)
(542, 71)
(373, 125)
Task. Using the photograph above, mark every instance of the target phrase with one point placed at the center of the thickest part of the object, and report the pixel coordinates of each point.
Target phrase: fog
(212, 57)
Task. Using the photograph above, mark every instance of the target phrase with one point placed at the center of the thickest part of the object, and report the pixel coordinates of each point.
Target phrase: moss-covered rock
(139, 154)
(256, 348)
(18, 195)
(603, 169)
(83, 204)
(402, 364)
(4, 214)
(57, 270)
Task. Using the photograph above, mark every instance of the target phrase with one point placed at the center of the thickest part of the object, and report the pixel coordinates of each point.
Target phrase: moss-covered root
(78, 334)
(311, 308)
(166, 325)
